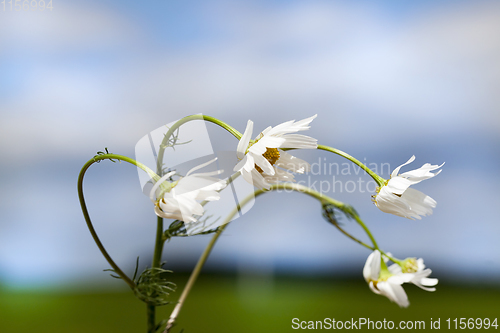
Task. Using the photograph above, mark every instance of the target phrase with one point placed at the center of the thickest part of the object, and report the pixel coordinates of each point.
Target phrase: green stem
(166, 138)
(336, 225)
(151, 309)
(380, 181)
(86, 214)
(150, 312)
(201, 262)
(158, 243)
(368, 232)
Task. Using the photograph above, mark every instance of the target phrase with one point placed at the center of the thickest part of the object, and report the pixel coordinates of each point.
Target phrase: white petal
(257, 148)
(245, 140)
(396, 171)
(299, 141)
(291, 126)
(419, 202)
(250, 163)
(398, 185)
(304, 123)
(423, 172)
(188, 208)
(259, 181)
(169, 207)
(265, 131)
(371, 270)
(292, 163)
(264, 164)
(158, 183)
(240, 164)
(279, 176)
(424, 288)
(255, 178)
(208, 174)
(420, 264)
(267, 142)
(201, 166)
(400, 295)
(372, 287)
(429, 282)
(280, 129)
(208, 195)
(190, 184)
(395, 269)
(390, 203)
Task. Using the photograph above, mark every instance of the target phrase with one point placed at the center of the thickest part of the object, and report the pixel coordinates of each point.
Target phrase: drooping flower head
(413, 270)
(179, 200)
(387, 281)
(260, 159)
(396, 197)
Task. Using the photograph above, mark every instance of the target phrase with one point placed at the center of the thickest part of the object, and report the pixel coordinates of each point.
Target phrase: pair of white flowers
(263, 162)
(387, 281)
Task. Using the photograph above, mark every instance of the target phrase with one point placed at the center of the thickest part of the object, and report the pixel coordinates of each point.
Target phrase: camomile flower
(382, 282)
(396, 197)
(387, 281)
(261, 159)
(179, 199)
(413, 270)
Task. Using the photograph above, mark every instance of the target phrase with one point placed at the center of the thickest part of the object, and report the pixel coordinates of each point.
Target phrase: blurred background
(388, 80)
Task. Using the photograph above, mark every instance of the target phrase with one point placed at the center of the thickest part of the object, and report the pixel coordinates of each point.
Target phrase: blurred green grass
(230, 304)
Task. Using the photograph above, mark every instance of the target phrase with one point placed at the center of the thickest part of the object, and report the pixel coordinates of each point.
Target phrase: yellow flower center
(410, 265)
(272, 155)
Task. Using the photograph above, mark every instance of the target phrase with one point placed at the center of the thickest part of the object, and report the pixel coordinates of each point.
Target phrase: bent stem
(201, 262)
(379, 180)
(171, 130)
(336, 225)
(86, 214)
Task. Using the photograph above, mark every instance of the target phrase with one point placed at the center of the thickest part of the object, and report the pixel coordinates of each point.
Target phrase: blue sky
(387, 80)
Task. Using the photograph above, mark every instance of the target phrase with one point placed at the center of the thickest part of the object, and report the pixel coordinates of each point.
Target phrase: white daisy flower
(387, 281)
(396, 197)
(382, 282)
(260, 159)
(414, 271)
(179, 200)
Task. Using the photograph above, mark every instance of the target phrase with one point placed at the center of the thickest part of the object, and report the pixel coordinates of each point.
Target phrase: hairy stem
(336, 225)
(171, 130)
(151, 309)
(86, 214)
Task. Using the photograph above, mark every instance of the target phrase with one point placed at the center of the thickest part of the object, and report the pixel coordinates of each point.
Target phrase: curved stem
(368, 232)
(86, 213)
(380, 181)
(336, 225)
(166, 138)
(199, 265)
